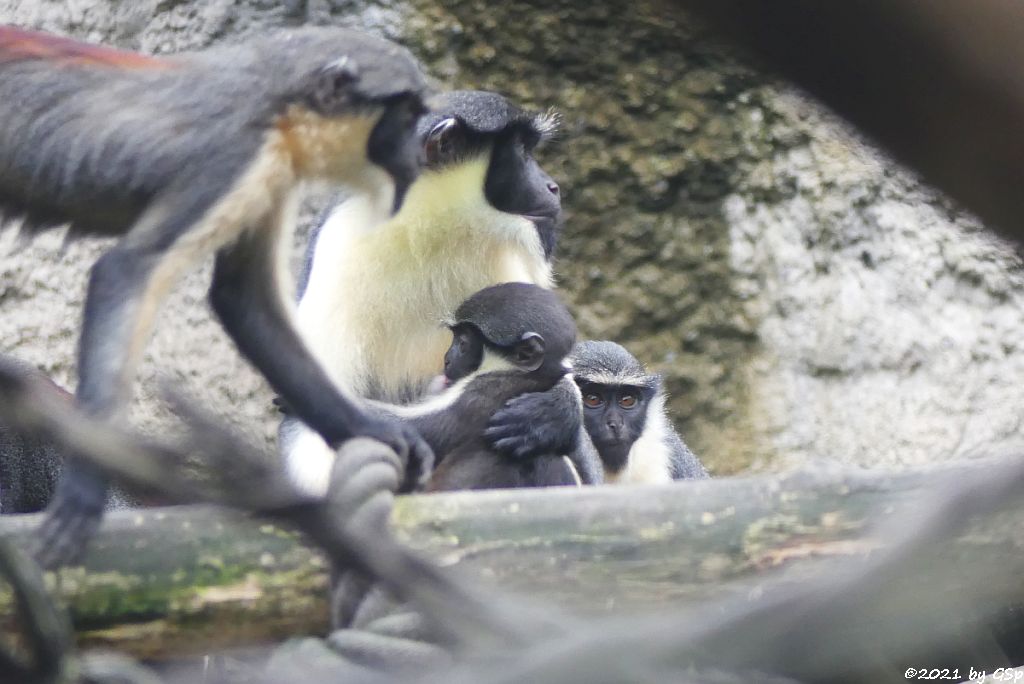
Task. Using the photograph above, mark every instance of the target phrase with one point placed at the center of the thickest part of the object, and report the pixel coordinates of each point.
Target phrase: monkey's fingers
(73, 517)
(411, 448)
(65, 534)
(516, 447)
(530, 425)
(515, 438)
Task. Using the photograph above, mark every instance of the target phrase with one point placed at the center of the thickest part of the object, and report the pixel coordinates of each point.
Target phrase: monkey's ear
(441, 140)
(332, 86)
(528, 353)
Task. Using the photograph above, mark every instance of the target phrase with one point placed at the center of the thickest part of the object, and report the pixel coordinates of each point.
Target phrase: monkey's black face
(470, 124)
(394, 146)
(614, 416)
(516, 184)
(466, 353)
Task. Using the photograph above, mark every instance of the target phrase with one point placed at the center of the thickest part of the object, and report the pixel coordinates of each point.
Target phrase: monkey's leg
(247, 295)
(125, 288)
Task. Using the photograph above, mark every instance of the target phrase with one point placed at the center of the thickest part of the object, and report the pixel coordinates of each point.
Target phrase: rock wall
(806, 299)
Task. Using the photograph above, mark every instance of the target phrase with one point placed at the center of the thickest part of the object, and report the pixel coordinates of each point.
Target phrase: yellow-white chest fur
(374, 304)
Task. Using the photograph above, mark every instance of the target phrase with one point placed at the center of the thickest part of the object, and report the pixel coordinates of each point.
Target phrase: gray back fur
(97, 143)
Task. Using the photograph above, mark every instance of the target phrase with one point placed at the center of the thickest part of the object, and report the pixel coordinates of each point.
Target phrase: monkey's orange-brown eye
(592, 400)
(627, 401)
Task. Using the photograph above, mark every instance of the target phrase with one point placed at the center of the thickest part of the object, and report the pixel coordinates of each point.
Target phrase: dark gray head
(335, 71)
(608, 363)
(338, 73)
(485, 113)
(617, 392)
(525, 324)
(465, 124)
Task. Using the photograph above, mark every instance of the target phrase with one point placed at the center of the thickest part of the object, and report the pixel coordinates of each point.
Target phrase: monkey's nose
(553, 188)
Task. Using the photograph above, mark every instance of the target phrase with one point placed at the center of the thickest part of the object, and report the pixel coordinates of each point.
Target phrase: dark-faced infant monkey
(624, 413)
(507, 340)
(482, 212)
(193, 154)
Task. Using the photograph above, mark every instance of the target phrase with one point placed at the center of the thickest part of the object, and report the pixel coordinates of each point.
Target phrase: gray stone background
(807, 300)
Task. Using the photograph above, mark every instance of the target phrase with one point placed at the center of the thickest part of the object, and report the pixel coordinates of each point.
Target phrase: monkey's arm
(247, 296)
(539, 422)
(458, 416)
(308, 458)
(684, 463)
(437, 421)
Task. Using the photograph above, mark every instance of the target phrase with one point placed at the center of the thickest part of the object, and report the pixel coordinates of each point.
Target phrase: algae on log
(160, 583)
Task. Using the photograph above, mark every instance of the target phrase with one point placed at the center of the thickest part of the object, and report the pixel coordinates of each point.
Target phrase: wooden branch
(165, 582)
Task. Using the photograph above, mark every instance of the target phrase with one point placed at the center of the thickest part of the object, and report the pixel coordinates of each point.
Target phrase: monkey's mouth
(438, 384)
(614, 453)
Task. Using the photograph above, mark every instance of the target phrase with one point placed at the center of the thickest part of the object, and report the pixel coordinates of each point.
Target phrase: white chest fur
(376, 298)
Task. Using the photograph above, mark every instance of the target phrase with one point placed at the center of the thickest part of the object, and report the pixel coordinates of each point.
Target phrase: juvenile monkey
(624, 413)
(507, 340)
(192, 154)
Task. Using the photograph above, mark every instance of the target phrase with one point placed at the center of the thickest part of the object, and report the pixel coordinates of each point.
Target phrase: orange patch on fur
(18, 45)
(290, 139)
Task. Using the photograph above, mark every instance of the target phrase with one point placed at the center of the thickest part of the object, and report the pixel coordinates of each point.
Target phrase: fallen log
(162, 583)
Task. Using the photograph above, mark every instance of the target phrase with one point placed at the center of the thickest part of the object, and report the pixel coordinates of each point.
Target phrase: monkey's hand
(73, 516)
(538, 423)
(410, 446)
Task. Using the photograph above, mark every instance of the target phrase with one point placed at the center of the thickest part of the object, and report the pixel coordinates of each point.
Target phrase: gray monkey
(188, 155)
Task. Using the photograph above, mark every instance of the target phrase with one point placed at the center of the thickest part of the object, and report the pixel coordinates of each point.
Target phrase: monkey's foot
(71, 522)
(534, 424)
(414, 451)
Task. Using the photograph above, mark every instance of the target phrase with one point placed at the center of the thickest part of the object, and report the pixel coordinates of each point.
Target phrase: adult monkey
(188, 155)
(483, 212)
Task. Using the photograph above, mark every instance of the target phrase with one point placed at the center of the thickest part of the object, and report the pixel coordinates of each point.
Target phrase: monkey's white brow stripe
(605, 378)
